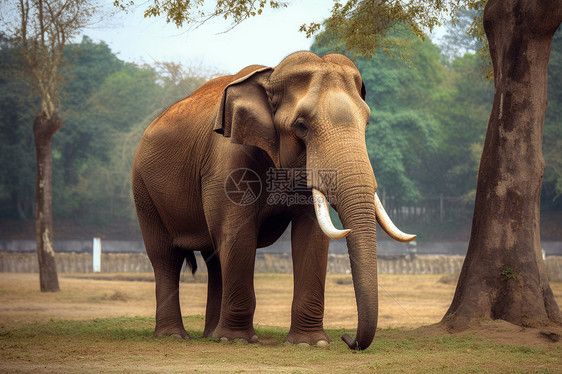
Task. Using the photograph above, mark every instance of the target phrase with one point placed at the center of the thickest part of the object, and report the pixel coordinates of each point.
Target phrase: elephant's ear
(245, 115)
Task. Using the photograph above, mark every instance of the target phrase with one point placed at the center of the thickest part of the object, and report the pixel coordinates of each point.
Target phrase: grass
(126, 345)
(105, 325)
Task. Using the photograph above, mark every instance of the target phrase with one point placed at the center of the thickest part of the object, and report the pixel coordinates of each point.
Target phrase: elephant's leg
(233, 231)
(166, 261)
(214, 292)
(167, 269)
(237, 258)
(310, 257)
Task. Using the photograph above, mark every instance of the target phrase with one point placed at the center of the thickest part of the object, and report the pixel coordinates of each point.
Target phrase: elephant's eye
(301, 129)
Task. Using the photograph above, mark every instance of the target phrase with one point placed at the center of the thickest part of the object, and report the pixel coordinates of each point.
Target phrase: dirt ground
(405, 301)
(81, 329)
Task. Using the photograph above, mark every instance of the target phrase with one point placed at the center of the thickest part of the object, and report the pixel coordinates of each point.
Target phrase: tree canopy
(361, 25)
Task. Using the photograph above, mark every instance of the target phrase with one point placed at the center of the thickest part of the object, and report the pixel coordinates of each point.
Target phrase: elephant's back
(178, 149)
(195, 113)
(173, 149)
(184, 131)
(190, 113)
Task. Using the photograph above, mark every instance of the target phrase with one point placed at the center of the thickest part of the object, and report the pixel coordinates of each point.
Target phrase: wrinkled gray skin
(306, 112)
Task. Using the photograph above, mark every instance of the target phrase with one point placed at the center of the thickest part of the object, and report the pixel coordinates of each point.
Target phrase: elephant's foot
(209, 329)
(229, 335)
(318, 338)
(208, 333)
(178, 333)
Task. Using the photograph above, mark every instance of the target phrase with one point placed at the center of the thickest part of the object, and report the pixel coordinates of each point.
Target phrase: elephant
(198, 184)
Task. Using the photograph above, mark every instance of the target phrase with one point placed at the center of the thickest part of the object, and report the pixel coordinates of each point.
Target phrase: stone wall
(265, 263)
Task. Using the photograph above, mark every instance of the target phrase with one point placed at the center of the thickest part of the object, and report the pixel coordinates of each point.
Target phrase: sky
(264, 40)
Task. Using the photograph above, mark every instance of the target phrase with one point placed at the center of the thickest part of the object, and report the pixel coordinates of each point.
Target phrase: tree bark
(503, 275)
(43, 130)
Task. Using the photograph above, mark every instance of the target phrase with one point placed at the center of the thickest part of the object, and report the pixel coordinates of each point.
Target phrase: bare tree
(43, 28)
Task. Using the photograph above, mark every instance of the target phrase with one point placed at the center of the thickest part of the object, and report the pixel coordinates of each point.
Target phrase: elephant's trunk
(357, 212)
(354, 201)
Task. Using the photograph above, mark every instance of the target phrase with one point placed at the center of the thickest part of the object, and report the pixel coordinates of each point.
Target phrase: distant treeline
(430, 107)
(429, 112)
(107, 103)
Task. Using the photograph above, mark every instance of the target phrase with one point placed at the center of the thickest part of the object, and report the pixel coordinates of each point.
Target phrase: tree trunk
(43, 130)
(503, 275)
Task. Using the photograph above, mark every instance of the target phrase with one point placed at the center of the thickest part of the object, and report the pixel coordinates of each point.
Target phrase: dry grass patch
(104, 324)
(126, 345)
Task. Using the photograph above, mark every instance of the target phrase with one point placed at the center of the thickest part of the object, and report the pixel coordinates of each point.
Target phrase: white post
(97, 255)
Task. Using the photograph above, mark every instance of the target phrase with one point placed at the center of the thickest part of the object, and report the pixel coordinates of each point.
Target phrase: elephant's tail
(191, 261)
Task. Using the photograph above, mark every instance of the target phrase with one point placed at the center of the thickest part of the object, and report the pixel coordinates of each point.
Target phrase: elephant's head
(310, 112)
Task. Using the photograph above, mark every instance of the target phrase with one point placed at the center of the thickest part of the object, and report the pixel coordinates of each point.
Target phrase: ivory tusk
(386, 223)
(323, 217)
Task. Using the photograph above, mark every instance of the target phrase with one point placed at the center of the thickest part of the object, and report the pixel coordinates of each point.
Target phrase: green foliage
(508, 274)
(458, 39)
(87, 64)
(397, 143)
(362, 26)
(195, 12)
(106, 105)
(114, 117)
(417, 145)
(462, 108)
(17, 159)
(104, 98)
(552, 139)
(465, 34)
